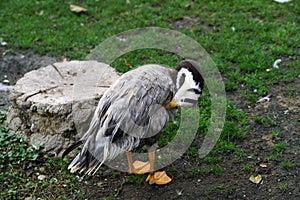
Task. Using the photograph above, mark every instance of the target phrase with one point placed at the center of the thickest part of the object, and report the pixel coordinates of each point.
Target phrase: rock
(41, 177)
(52, 106)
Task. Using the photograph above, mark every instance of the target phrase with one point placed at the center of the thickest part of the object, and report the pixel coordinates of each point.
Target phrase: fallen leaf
(255, 179)
(187, 6)
(77, 9)
(265, 104)
(267, 137)
(270, 143)
(263, 165)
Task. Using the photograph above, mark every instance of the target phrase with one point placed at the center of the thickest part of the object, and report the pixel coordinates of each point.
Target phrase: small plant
(278, 148)
(192, 152)
(275, 133)
(230, 86)
(212, 160)
(134, 179)
(287, 165)
(224, 146)
(216, 170)
(275, 157)
(239, 155)
(266, 121)
(200, 171)
(283, 186)
(247, 168)
(230, 190)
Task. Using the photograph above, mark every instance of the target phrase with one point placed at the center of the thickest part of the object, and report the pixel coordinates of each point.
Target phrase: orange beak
(172, 104)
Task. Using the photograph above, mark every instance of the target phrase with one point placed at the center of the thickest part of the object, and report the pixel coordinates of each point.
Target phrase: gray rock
(52, 106)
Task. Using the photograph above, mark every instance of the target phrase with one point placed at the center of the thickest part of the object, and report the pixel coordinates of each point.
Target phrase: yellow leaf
(255, 179)
(77, 9)
(263, 165)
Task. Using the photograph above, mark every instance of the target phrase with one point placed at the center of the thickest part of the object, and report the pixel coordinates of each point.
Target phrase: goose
(133, 113)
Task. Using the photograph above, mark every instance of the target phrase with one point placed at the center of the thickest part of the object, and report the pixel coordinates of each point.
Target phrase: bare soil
(277, 182)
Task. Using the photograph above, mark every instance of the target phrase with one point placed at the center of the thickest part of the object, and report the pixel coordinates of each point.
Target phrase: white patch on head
(185, 91)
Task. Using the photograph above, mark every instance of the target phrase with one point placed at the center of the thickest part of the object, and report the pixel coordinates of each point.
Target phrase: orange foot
(141, 167)
(159, 178)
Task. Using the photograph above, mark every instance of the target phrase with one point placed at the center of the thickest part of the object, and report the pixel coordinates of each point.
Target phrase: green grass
(287, 165)
(264, 32)
(247, 168)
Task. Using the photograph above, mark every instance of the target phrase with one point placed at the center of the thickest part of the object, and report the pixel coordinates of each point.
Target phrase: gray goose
(133, 112)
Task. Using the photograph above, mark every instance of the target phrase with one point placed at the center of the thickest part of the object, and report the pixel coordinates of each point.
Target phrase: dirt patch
(189, 22)
(14, 64)
(273, 123)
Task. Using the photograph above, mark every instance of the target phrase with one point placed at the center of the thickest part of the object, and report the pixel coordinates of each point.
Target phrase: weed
(230, 86)
(211, 160)
(275, 133)
(116, 174)
(230, 190)
(224, 146)
(200, 171)
(278, 148)
(266, 121)
(283, 186)
(287, 165)
(192, 152)
(247, 168)
(134, 179)
(216, 170)
(275, 157)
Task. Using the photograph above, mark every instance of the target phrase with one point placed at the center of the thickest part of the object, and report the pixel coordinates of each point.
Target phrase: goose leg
(159, 178)
(137, 167)
(130, 163)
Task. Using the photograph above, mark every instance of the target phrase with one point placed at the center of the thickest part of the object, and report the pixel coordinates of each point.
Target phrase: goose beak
(172, 104)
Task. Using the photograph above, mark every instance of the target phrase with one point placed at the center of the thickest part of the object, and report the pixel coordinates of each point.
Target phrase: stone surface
(52, 106)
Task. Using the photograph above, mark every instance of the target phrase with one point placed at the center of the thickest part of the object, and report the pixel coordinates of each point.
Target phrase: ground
(273, 140)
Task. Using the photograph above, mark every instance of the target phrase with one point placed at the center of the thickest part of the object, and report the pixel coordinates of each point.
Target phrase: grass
(287, 165)
(263, 32)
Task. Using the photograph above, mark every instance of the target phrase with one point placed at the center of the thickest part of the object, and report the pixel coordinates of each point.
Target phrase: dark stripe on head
(193, 101)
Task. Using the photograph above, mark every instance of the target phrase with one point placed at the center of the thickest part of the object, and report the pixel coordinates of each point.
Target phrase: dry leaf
(267, 137)
(270, 143)
(255, 179)
(77, 9)
(265, 104)
(187, 6)
(263, 165)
